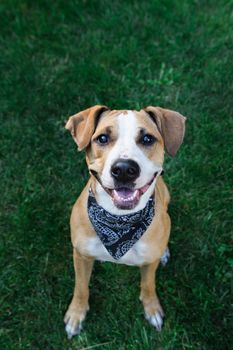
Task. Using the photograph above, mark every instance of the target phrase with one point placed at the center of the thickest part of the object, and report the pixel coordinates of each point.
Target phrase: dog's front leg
(79, 305)
(153, 310)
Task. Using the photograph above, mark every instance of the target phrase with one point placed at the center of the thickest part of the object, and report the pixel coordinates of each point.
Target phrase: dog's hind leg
(165, 257)
(79, 305)
(153, 310)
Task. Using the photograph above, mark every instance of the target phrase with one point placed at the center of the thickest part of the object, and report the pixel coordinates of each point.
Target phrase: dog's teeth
(124, 197)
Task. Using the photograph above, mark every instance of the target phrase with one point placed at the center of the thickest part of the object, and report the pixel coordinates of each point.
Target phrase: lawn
(59, 57)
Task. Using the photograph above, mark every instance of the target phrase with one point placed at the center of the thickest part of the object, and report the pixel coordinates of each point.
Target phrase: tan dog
(124, 154)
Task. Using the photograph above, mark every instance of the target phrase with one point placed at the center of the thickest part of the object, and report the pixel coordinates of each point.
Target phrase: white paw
(155, 320)
(72, 329)
(165, 257)
(73, 319)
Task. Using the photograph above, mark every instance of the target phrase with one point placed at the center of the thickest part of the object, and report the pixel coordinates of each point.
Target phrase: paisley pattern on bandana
(119, 233)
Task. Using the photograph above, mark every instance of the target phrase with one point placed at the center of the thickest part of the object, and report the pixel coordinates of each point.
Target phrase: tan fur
(155, 238)
(82, 124)
(171, 127)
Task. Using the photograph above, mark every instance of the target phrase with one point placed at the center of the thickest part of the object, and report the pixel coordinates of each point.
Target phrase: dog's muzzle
(124, 173)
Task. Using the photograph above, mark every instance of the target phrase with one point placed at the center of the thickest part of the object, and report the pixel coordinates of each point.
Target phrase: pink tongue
(125, 193)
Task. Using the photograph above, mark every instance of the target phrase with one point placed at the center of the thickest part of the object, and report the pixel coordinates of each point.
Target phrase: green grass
(63, 56)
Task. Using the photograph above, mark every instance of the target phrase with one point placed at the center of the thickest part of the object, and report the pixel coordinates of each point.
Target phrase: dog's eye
(147, 140)
(103, 139)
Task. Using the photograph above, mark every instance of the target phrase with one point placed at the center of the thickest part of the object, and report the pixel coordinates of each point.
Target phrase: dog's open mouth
(125, 198)
(128, 198)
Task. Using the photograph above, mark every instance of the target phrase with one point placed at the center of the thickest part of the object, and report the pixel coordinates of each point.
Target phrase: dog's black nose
(125, 170)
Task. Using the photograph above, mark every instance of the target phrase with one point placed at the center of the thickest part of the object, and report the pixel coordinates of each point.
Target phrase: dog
(121, 215)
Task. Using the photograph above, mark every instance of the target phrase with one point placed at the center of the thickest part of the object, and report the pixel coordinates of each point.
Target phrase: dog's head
(125, 149)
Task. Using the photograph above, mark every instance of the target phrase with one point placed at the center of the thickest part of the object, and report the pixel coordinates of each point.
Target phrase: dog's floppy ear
(82, 125)
(171, 125)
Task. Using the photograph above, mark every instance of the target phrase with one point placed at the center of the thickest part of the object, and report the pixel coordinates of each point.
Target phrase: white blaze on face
(127, 148)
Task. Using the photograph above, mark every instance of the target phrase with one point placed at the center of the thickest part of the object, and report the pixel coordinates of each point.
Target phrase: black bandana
(119, 233)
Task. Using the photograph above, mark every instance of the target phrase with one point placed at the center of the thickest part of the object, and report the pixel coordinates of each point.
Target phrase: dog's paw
(155, 320)
(154, 313)
(73, 322)
(165, 257)
(72, 330)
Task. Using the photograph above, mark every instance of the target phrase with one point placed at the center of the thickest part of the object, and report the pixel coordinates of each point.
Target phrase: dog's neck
(105, 200)
(119, 233)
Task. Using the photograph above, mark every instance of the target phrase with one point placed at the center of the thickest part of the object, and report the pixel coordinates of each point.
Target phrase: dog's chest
(137, 255)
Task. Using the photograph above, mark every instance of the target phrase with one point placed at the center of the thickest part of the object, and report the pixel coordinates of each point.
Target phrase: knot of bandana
(119, 233)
